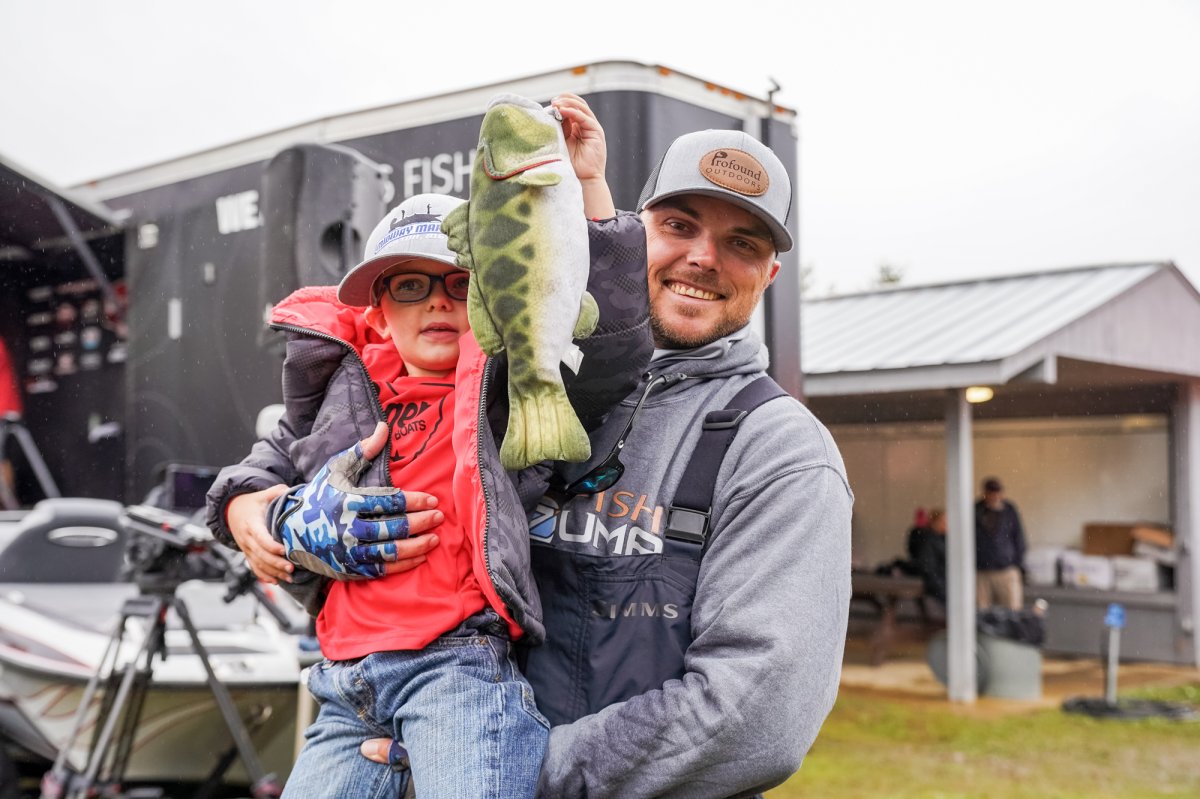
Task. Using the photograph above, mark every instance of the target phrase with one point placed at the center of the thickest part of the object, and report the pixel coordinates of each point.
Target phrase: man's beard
(666, 339)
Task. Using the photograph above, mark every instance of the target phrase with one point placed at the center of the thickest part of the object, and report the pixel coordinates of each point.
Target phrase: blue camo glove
(336, 528)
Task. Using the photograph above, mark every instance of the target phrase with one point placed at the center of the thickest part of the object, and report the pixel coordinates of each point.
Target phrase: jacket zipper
(387, 451)
(483, 427)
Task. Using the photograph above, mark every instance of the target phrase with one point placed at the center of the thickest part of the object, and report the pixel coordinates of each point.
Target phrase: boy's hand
(585, 137)
(589, 153)
(336, 528)
(246, 515)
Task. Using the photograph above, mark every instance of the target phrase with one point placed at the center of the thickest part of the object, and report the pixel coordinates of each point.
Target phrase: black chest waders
(620, 626)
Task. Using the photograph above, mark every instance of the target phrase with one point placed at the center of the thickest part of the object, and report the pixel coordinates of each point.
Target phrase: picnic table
(885, 592)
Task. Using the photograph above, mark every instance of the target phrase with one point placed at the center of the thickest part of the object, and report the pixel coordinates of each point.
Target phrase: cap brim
(355, 288)
(783, 238)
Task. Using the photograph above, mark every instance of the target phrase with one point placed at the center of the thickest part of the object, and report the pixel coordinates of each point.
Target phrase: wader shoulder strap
(687, 519)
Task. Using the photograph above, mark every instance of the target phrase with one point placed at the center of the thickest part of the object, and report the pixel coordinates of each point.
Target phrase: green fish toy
(523, 235)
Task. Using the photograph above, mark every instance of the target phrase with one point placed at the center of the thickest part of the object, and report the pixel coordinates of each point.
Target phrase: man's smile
(686, 290)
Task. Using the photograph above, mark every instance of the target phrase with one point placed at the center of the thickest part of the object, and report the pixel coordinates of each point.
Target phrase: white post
(960, 550)
(1185, 484)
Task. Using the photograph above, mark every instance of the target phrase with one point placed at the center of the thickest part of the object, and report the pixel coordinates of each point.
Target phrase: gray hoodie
(708, 678)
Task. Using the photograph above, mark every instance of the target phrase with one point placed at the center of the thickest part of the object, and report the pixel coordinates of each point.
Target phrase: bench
(885, 592)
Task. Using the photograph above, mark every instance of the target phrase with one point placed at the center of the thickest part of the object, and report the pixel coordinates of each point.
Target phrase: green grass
(880, 747)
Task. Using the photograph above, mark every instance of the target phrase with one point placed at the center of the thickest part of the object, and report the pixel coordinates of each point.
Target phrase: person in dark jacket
(999, 550)
(927, 553)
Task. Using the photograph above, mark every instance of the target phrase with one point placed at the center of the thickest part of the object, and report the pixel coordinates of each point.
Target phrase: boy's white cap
(411, 231)
(729, 165)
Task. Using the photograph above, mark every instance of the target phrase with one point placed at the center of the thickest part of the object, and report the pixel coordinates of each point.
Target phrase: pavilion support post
(960, 550)
(1185, 500)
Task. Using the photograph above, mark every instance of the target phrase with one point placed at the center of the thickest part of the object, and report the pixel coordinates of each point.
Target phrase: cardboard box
(1156, 536)
(1135, 574)
(1118, 539)
(1086, 571)
(1107, 539)
(1042, 564)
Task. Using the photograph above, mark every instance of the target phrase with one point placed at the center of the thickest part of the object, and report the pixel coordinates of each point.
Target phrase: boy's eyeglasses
(416, 286)
(605, 474)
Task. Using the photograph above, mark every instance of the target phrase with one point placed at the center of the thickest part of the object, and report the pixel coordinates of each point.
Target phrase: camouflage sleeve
(618, 351)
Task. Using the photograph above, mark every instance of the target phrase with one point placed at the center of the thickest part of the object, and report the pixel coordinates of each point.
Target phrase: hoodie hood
(739, 353)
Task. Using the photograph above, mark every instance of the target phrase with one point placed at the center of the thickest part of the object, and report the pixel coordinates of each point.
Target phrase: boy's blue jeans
(461, 707)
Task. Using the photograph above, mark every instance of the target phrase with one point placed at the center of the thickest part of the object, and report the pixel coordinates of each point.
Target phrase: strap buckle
(724, 419)
(686, 524)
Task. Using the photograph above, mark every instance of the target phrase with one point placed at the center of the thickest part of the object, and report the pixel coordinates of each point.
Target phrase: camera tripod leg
(130, 717)
(129, 692)
(154, 609)
(56, 779)
(262, 785)
(124, 700)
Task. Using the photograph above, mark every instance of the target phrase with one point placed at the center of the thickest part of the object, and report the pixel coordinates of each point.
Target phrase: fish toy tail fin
(542, 425)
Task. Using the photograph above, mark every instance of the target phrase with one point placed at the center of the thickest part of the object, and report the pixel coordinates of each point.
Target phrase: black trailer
(213, 239)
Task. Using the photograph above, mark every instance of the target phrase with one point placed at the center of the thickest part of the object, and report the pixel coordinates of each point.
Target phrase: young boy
(423, 653)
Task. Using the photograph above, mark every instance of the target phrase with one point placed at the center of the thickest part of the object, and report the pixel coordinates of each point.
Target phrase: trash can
(1014, 668)
(1007, 652)
(938, 658)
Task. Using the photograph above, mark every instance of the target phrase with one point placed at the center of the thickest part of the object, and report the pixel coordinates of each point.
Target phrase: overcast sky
(950, 139)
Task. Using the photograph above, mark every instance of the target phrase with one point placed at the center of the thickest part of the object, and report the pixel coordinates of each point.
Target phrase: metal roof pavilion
(1114, 339)
(992, 331)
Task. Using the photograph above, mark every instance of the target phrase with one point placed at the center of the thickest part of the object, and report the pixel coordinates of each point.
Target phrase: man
(691, 659)
(999, 550)
(684, 669)
(675, 668)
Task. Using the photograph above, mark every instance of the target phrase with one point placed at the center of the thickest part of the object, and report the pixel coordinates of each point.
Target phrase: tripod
(124, 696)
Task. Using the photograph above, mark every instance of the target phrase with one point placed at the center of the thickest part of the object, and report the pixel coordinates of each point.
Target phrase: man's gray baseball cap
(729, 165)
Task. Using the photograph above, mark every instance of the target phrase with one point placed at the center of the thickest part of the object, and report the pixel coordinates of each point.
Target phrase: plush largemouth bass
(524, 236)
